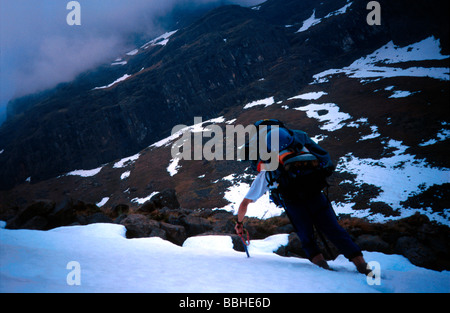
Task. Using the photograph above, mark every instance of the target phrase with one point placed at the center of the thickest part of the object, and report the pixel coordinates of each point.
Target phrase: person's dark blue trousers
(316, 211)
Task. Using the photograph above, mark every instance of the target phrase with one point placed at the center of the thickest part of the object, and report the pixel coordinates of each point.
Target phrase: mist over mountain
(40, 50)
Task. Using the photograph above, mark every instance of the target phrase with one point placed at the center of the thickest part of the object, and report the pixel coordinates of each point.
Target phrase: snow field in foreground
(36, 261)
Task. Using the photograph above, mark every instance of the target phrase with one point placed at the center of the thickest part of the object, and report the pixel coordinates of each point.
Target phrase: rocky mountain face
(215, 63)
(98, 149)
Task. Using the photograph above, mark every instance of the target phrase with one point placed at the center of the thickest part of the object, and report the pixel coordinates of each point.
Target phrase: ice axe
(245, 242)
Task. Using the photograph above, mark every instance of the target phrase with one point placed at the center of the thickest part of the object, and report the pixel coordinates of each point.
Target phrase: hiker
(296, 185)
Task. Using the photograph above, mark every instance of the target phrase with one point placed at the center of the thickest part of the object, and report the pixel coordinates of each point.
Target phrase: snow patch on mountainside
(312, 20)
(266, 102)
(398, 177)
(181, 129)
(144, 199)
(442, 135)
(401, 94)
(118, 80)
(125, 175)
(126, 161)
(309, 96)
(161, 40)
(119, 61)
(370, 67)
(85, 173)
(102, 202)
(173, 166)
(326, 112)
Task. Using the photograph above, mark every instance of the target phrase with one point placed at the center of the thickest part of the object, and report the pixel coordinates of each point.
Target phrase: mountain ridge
(361, 121)
(203, 72)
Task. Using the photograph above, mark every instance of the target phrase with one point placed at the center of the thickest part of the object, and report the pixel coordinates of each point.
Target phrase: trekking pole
(245, 242)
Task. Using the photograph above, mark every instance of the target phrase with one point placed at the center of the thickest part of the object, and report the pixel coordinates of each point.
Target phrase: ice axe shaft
(245, 242)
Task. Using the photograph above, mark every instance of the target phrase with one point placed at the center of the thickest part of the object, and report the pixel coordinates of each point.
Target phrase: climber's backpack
(302, 170)
(251, 149)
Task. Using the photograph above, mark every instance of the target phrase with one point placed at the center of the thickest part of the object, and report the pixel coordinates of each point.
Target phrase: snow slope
(41, 261)
(371, 66)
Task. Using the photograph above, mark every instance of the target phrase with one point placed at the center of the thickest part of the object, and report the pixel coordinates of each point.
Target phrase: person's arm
(243, 209)
(241, 214)
(257, 189)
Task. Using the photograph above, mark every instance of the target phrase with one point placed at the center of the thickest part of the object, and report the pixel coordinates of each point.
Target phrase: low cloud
(39, 49)
(60, 59)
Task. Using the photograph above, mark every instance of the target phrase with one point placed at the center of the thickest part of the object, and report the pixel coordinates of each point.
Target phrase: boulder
(372, 243)
(158, 232)
(36, 222)
(293, 248)
(139, 226)
(147, 207)
(174, 233)
(63, 214)
(27, 217)
(40, 208)
(164, 199)
(99, 218)
(120, 209)
(223, 221)
(195, 225)
(416, 252)
(238, 245)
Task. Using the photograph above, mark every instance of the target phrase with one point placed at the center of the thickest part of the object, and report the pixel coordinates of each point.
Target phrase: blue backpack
(303, 166)
(302, 149)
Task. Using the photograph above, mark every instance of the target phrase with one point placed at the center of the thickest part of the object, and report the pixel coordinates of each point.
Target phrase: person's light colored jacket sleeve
(258, 187)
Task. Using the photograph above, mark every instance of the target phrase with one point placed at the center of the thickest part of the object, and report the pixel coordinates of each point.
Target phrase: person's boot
(319, 260)
(361, 265)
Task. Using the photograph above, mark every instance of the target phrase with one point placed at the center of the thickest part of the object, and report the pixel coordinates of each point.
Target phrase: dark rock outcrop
(139, 226)
(164, 199)
(423, 242)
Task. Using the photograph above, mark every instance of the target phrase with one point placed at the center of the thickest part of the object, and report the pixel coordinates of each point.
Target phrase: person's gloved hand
(239, 228)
